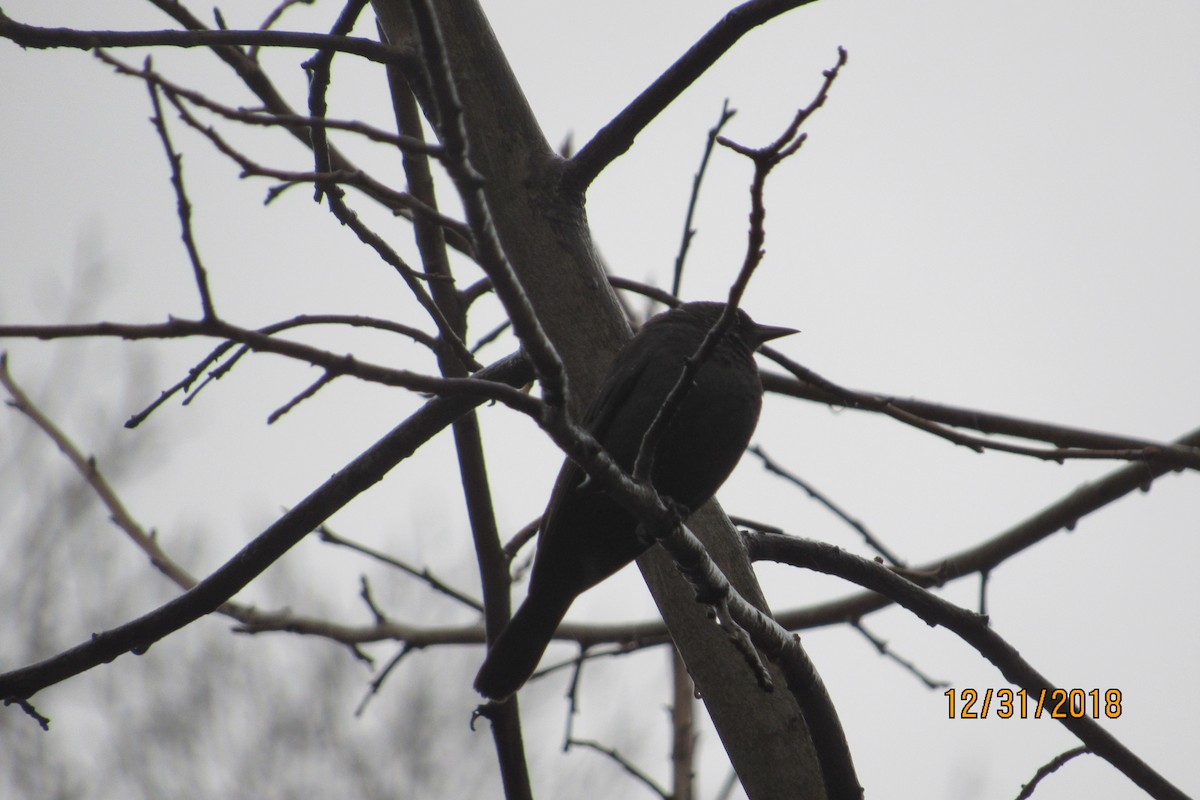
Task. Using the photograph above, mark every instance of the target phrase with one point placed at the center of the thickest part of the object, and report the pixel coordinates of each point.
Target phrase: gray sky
(997, 209)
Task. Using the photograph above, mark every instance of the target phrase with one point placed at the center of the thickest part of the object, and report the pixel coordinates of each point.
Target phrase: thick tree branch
(617, 136)
(1064, 514)
(489, 251)
(209, 594)
(468, 440)
(970, 627)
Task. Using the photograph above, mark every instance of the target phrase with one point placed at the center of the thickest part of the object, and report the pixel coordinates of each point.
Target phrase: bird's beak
(765, 333)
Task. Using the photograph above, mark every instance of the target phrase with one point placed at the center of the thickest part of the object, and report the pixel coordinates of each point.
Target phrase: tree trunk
(545, 234)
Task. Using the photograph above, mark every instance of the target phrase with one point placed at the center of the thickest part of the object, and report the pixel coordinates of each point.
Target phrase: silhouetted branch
(44, 38)
(689, 232)
(209, 594)
(884, 650)
(968, 626)
(910, 413)
(352, 320)
(424, 575)
(869, 538)
(184, 207)
(764, 159)
(266, 118)
(624, 763)
(1062, 514)
(617, 136)
(488, 250)
(1046, 769)
(265, 342)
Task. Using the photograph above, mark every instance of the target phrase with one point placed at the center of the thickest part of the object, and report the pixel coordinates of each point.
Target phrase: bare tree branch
(640, 775)
(1173, 455)
(1063, 514)
(872, 541)
(262, 341)
(424, 575)
(209, 594)
(469, 182)
(184, 207)
(689, 232)
(764, 160)
(1046, 769)
(468, 440)
(617, 136)
(970, 627)
(44, 38)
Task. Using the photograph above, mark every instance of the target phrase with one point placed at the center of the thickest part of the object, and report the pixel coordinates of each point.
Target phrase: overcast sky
(998, 208)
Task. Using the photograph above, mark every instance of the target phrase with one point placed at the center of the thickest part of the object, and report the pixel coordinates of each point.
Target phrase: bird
(586, 536)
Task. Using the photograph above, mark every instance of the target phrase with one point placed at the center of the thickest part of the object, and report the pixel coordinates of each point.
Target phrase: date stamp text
(1020, 704)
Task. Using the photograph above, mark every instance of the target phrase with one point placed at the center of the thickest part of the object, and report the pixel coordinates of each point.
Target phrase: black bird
(585, 535)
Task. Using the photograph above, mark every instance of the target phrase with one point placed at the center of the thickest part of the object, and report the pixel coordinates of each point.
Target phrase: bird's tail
(516, 652)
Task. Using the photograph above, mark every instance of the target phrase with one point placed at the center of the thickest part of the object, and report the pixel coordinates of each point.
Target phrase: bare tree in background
(521, 220)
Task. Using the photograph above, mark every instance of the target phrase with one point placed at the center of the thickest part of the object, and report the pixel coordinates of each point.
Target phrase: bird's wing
(622, 381)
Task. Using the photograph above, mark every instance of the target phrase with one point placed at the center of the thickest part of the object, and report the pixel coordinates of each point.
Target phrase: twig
(377, 682)
(328, 181)
(184, 207)
(28, 708)
(572, 694)
(986, 422)
(328, 536)
(185, 383)
(1064, 513)
(468, 440)
(882, 648)
(764, 159)
(364, 591)
(320, 72)
(1044, 770)
(251, 73)
(625, 764)
(773, 466)
(316, 386)
(984, 574)
(683, 730)
(661, 295)
(273, 17)
(521, 538)
(300, 320)
(688, 231)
